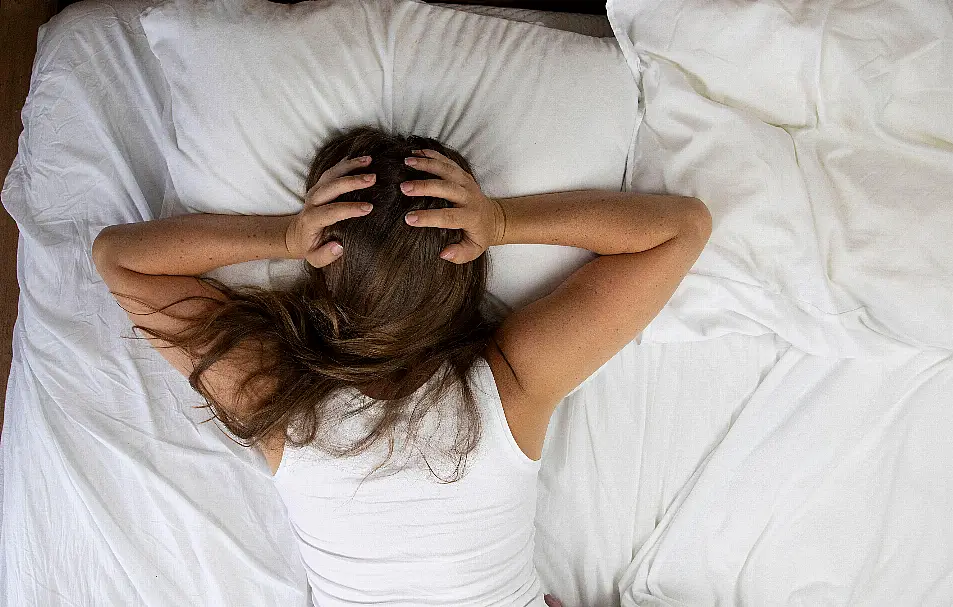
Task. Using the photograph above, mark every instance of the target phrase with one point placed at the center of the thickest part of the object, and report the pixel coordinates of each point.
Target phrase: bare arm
(190, 245)
(602, 221)
(157, 263)
(646, 244)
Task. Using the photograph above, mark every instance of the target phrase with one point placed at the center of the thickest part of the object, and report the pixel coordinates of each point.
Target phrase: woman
(386, 351)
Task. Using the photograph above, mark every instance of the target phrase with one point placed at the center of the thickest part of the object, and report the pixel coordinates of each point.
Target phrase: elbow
(698, 218)
(103, 251)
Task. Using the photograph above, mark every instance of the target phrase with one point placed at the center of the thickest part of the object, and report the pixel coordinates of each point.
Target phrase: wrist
(499, 215)
(289, 238)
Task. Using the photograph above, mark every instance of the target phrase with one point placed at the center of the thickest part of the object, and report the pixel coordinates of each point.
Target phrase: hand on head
(307, 227)
(481, 218)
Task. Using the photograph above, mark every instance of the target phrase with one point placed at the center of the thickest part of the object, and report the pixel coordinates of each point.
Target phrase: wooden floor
(19, 21)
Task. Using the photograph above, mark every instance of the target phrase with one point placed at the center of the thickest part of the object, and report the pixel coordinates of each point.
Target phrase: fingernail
(364, 159)
(406, 187)
(411, 218)
(410, 161)
(448, 255)
(337, 249)
(369, 178)
(367, 207)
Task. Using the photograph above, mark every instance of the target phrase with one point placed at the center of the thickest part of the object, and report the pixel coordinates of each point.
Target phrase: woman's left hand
(306, 228)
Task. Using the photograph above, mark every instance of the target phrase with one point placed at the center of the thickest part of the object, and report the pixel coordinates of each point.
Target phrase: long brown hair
(386, 318)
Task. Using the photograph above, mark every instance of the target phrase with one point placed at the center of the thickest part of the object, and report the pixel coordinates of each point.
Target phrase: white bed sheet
(115, 492)
(620, 448)
(833, 487)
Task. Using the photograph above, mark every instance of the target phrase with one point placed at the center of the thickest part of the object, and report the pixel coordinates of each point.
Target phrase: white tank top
(402, 537)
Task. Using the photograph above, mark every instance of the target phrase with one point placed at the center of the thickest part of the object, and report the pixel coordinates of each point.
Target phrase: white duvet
(780, 436)
(819, 135)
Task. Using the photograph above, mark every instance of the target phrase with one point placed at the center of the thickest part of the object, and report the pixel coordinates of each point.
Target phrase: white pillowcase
(254, 85)
(533, 109)
(257, 87)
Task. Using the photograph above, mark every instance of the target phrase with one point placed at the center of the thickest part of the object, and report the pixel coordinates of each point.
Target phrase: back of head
(383, 319)
(400, 302)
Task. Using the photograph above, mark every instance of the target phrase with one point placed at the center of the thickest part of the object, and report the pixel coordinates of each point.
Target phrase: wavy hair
(389, 319)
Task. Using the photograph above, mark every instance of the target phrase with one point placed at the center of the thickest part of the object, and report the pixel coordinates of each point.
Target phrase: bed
(779, 435)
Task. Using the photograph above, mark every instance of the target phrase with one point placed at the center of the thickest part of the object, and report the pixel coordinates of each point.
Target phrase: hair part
(388, 317)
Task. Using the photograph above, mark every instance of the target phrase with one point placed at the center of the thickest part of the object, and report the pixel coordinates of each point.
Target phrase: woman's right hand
(481, 218)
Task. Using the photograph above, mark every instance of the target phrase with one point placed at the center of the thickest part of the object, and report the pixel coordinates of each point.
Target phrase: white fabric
(255, 86)
(619, 450)
(114, 492)
(764, 54)
(835, 234)
(400, 536)
(833, 487)
(532, 108)
(833, 229)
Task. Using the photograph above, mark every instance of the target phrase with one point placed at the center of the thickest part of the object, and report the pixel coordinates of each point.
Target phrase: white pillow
(533, 109)
(254, 86)
(761, 56)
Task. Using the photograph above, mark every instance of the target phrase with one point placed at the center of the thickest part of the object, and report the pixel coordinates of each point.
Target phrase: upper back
(469, 540)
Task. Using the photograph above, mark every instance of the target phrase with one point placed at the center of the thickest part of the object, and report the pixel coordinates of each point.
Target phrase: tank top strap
(488, 394)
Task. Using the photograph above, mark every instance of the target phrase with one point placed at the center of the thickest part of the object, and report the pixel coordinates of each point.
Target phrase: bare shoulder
(528, 420)
(549, 347)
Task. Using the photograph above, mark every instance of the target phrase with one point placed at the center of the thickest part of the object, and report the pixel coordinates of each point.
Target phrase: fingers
(434, 154)
(344, 167)
(324, 254)
(452, 218)
(437, 188)
(328, 214)
(323, 193)
(436, 218)
(463, 252)
(439, 165)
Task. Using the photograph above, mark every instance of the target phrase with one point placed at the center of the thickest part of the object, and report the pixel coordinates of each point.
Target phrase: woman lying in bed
(387, 353)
